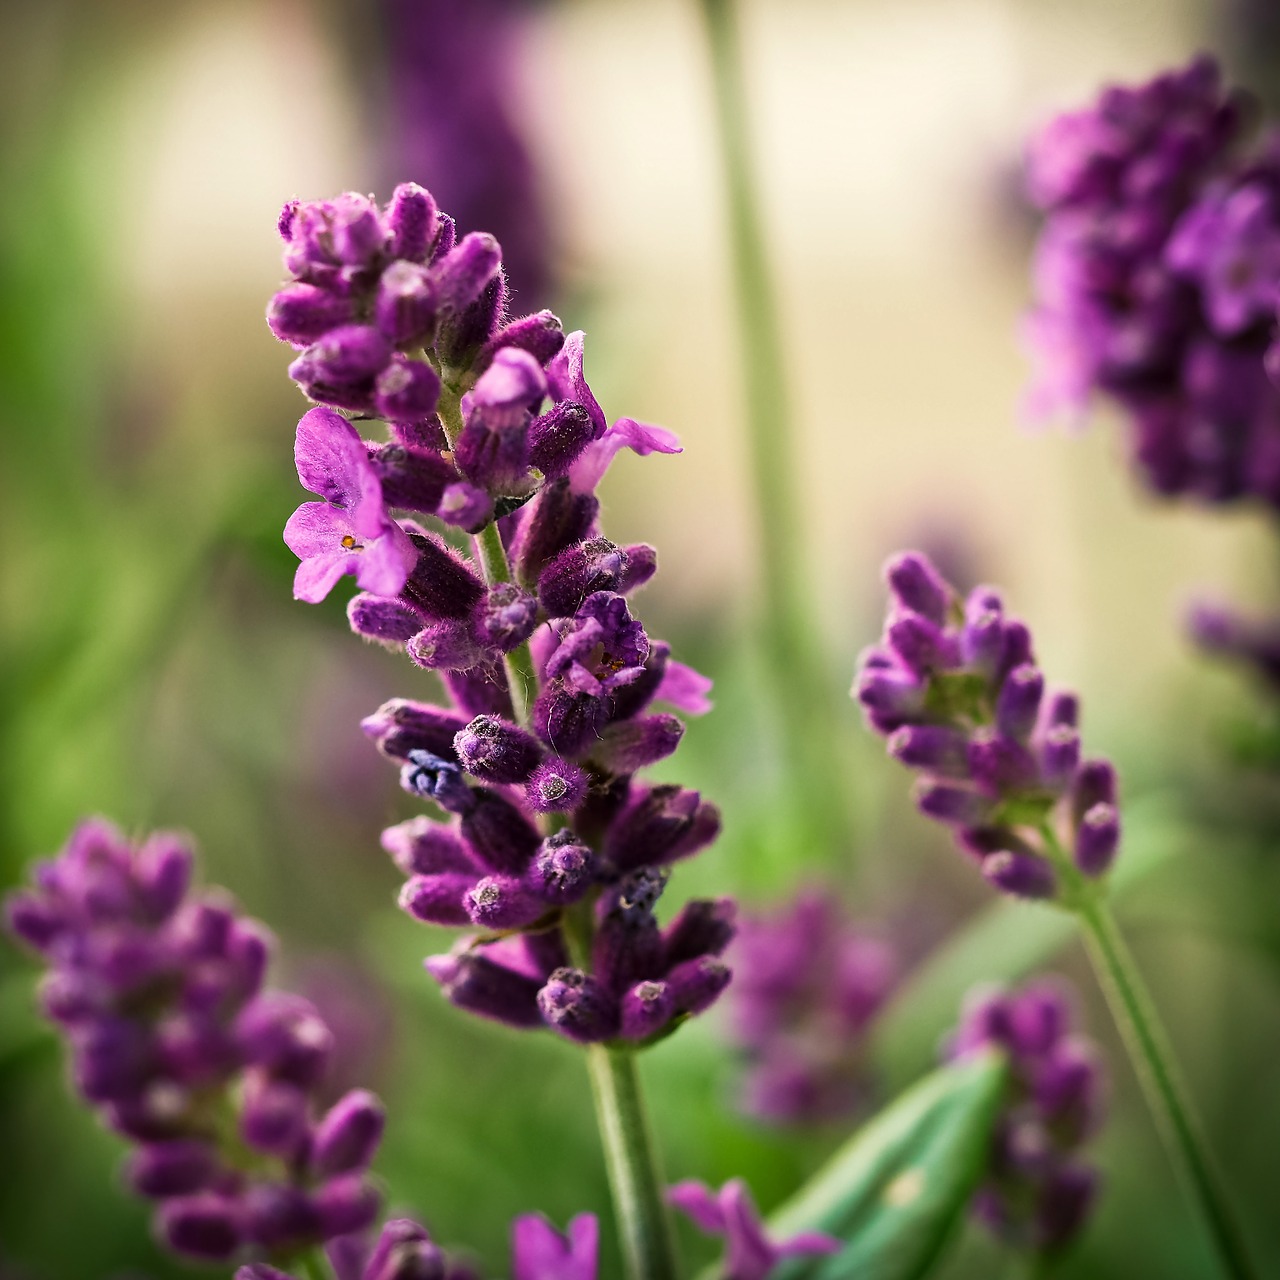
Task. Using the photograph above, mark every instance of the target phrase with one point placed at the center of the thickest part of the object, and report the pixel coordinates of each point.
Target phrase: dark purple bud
(1038, 1017)
(427, 435)
(411, 219)
(556, 786)
(348, 1135)
(1021, 874)
(434, 778)
(248, 953)
(283, 1034)
(642, 564)
(480, 690)
(404, 1251)
(340, 368)
(357, 232)
(554, 519)
(540, 334)
(503, 902)
(1018, 703)
(1016, 652)
(407, 304)
(69, 996)
(383, 618)
(36, 922)
(175, 1168)
(696, 985)
(205, 1225)
(495, 750)
(947, 803)
(442, 584)
(1067, 1089)
(545, 951)
(465, 506)
(505, 618)
(986, 1020)
(162, 874)
(446, 645)
(1095, 784)
(563, 869)
(301, 314)
(661, 825)
(463, 274)
(558, 437)
(278, 1216)
(502, 837)
(577, 1006)
(982, 640)
(646, 1008)
(202, 928)
(345, 1204)
(1097, 839)
(438, 897)
(495, 458)
(422, 846)
(284, 223)
(193, 1048)
(156, 1113)
(628, 946)
(1000, 765)
(1064, 1204)
(569, 722)
(274, 1116)
(463, 334)
(112, 1059)
(629, 745)
(919, 586)
(920, 645)
(473, 982)
(939, 749)
(446, 237)
(594, 565)
(401, 726)
(1059, 755)
(509, 389)
(704, 927)
(1063, 709)
(408, 391)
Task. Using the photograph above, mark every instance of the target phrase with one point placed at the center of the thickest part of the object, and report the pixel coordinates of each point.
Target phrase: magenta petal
(540, 1252)
(316, 529)
(566, 381)
(369, 517)
(330, 456)
(626, 433)
(698, 1202)
(318, 575)
(685, 689)
(385, 564)
(808, 1242)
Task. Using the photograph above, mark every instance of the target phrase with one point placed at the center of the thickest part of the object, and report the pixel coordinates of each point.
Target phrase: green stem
(802, 705)
(1157, 1070)
(631, 1160)
(314, 1266)
(493, 560)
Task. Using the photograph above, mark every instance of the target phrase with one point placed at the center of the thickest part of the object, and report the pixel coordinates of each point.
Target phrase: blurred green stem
(1157, 1070)
(803, 707)
(493, 559)
(314, 1266)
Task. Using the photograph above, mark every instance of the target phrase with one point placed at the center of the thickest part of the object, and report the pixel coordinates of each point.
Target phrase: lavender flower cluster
(954, 687)
(807, 985)
(159, 992)
(1156, 280)
(552, 680)
(1037, 1193)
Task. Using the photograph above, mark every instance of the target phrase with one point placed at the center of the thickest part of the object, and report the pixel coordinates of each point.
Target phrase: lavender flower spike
(731, 1212)
(954, 687)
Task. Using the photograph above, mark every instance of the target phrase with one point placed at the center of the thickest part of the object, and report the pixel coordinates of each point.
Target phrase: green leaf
(897, 1188)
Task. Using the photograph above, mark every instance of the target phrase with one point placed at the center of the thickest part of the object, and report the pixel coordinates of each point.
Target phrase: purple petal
(318, 575)
(330, 456)
(566, 381)
(540, 1252)
(698, 1202)
(627, 433)
(685, 689)
(386, 563)
(317, 529)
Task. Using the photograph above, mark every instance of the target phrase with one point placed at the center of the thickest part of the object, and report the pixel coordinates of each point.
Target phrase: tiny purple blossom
(731, 1212)
(540, 1252)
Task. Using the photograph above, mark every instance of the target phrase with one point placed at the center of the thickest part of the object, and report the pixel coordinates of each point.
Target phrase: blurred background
(154, 667)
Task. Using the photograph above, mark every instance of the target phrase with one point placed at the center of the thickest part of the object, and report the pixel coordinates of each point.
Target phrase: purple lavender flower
(1037, 1193)
(954, 687)
(1156, 281)
(540, 1252)
(158, 991)
(807, 986)
(1252, 643)
(731, 1212)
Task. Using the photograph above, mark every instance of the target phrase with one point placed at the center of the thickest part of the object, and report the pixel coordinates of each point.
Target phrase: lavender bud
(556, 786)
(412, 221)
(407, 391)
(641, 565)
(937, 748)
(301, 314)
(442, 584)
(558, 437)
(502, 902)
(1018, 703)
(1095, 783)
(465, 506)
(422, 846)
(918, 586)
(464, 333)
(664, 823)
(407, 304)
(1097, 839)
(646, 1008)
(279, 1217)
(480, 690)
(446, 237)
(274, 1116)
(345, 1204)
(1016, 651)
(540, 334)
(1065, 1204)
(1038, 1018)
(434, 778)
(284, 1034)
(382, 618)
(575, 1004)
(509, 389)
(405, 1252)
(463, 274)
(696, 985)
(563, 869)
(594, 565)
(921, 645)
(1068, 1091)
(628, 745)
(348, 1135)
(447, 645)
(339, 369)
(112, 1059)
(982, 638)
(1063, 709)
(438, 897)
(1020, 874)
(1059, 755)
(162, 874)
(890, 696)
(505, 618)
(947, 803)
(502, 837)
(556, 518)
(174, 1168)
(495, 750)
(473, 982)
(1000, 765)
(495, 458)
(402, 725)
(205, 1225)
(704, 927)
